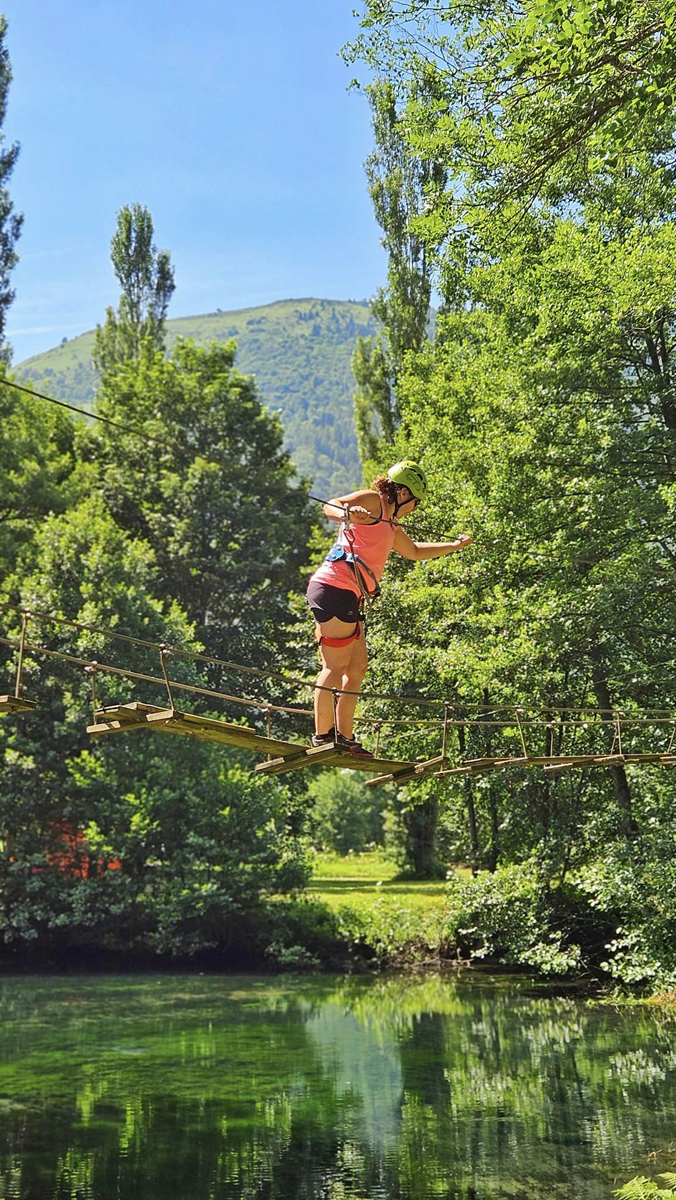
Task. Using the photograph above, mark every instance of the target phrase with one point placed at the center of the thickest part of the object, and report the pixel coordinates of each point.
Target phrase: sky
(232, 122)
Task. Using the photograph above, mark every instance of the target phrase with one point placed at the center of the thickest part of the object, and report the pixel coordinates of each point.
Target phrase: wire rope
(127, 673)
(421, 701)
(91, 415)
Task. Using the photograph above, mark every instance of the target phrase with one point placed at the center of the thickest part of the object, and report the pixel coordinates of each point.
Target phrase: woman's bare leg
(353, 678)
(336, 661)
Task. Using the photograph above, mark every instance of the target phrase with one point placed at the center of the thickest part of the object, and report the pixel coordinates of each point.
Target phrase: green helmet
(410, 475)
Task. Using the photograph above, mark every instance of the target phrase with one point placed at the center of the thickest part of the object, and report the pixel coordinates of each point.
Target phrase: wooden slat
(429, 767)
(323, 756)
(14, 704)
(121, 718)
(330, 756)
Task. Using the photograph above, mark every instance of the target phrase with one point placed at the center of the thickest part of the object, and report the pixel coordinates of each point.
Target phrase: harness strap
(338, 642)
(338, 553)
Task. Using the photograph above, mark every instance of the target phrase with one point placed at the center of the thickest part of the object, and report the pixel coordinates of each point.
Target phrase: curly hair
(385, 486)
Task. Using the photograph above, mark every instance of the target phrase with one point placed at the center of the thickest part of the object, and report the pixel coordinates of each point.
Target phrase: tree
(37, 460)
(375, 414)
(544, 416)
(401, 184)
(146, 277)
(215, 496)
(147, 844)
(542, 98)
(10, 222)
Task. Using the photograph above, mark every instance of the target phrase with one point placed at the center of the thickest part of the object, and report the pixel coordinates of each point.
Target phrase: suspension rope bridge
(624, 733)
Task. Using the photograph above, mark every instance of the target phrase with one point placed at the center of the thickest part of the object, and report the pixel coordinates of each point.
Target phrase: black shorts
(327, 602)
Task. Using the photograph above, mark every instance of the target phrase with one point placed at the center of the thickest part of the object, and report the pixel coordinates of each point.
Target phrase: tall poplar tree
(146, 277)
(401, 185)
(10, 221)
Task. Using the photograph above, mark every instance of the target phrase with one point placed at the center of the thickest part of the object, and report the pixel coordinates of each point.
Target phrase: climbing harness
(338, 553)
(337, 643)
(360, 569)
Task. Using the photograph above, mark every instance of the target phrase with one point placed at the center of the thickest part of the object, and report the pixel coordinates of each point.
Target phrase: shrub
(346, 815)
(641, 1188)
(512, 915)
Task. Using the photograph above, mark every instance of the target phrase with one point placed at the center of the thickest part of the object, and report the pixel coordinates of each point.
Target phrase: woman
(351, 572)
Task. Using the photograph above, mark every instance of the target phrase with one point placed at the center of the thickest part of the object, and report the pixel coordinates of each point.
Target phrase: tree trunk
(420, 824)
(618, 773)
(475, 849)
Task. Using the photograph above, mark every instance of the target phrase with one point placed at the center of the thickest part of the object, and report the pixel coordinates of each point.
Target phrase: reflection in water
(268, 1089)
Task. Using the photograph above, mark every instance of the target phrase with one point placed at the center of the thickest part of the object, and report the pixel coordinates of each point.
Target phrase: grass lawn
(359, 881)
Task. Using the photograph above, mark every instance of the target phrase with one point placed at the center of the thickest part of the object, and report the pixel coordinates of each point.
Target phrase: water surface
(216, 1088)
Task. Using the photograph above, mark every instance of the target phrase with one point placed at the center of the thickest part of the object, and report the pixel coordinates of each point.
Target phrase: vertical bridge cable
(164, 654)
(444, 740)
(22, 646)
(518, 712)
(90, 670)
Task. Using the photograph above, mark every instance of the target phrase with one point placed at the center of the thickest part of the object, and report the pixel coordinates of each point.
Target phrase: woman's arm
(364, 507)
(419, 551)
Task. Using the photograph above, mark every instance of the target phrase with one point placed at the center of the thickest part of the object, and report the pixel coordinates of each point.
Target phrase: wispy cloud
(11, 332)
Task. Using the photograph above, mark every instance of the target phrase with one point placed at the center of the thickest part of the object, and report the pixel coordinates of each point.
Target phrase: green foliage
(36, 463)
(216, 498)
(512, 915)
(543, 416)
(634, 889)
(299, 352)
(401, 184)
(377, 916)
(10, 221)
(346, 816)
(146, 845)
(641, 1188)
(194, 840)
(375, 415)
(391, 931)
(146, 278)
(536, 99)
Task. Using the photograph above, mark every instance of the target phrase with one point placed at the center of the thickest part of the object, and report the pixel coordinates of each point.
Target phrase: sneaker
(353, 747)
(323, 739)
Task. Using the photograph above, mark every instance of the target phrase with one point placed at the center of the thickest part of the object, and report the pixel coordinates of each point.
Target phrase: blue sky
(231, 121)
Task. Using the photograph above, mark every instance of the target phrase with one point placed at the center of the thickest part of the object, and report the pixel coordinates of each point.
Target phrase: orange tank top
(372, 543)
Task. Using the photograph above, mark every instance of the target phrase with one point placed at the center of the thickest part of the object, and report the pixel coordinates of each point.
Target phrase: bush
(647, 1189)
(616, 915)
(513, 915)
(346, 815)
(634, 889)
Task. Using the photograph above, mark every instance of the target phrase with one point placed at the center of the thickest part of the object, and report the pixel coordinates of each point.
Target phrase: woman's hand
(358, 514)
(464, 539)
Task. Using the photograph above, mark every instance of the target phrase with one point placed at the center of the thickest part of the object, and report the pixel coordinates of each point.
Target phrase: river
(173, 1087)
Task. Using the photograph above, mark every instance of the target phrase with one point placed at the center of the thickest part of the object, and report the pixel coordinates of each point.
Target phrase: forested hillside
(299, 352)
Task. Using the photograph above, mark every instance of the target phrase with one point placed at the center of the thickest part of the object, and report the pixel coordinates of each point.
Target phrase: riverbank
(359, 911)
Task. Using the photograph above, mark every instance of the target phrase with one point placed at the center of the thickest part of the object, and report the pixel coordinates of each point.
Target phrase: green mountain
(299, 352)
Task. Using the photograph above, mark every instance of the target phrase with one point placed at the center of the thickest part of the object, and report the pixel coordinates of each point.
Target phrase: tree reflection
(213, 1089)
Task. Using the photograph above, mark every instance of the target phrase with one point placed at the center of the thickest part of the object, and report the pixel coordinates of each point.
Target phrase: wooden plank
(586, 760)
(99, 729)
(221, 732)
(121, 718)
(465, 769)
(430, 766)
(331, 756)
(14, 704)
(322, 756)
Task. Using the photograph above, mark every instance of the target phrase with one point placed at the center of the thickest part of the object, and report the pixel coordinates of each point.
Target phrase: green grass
(358, 881)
